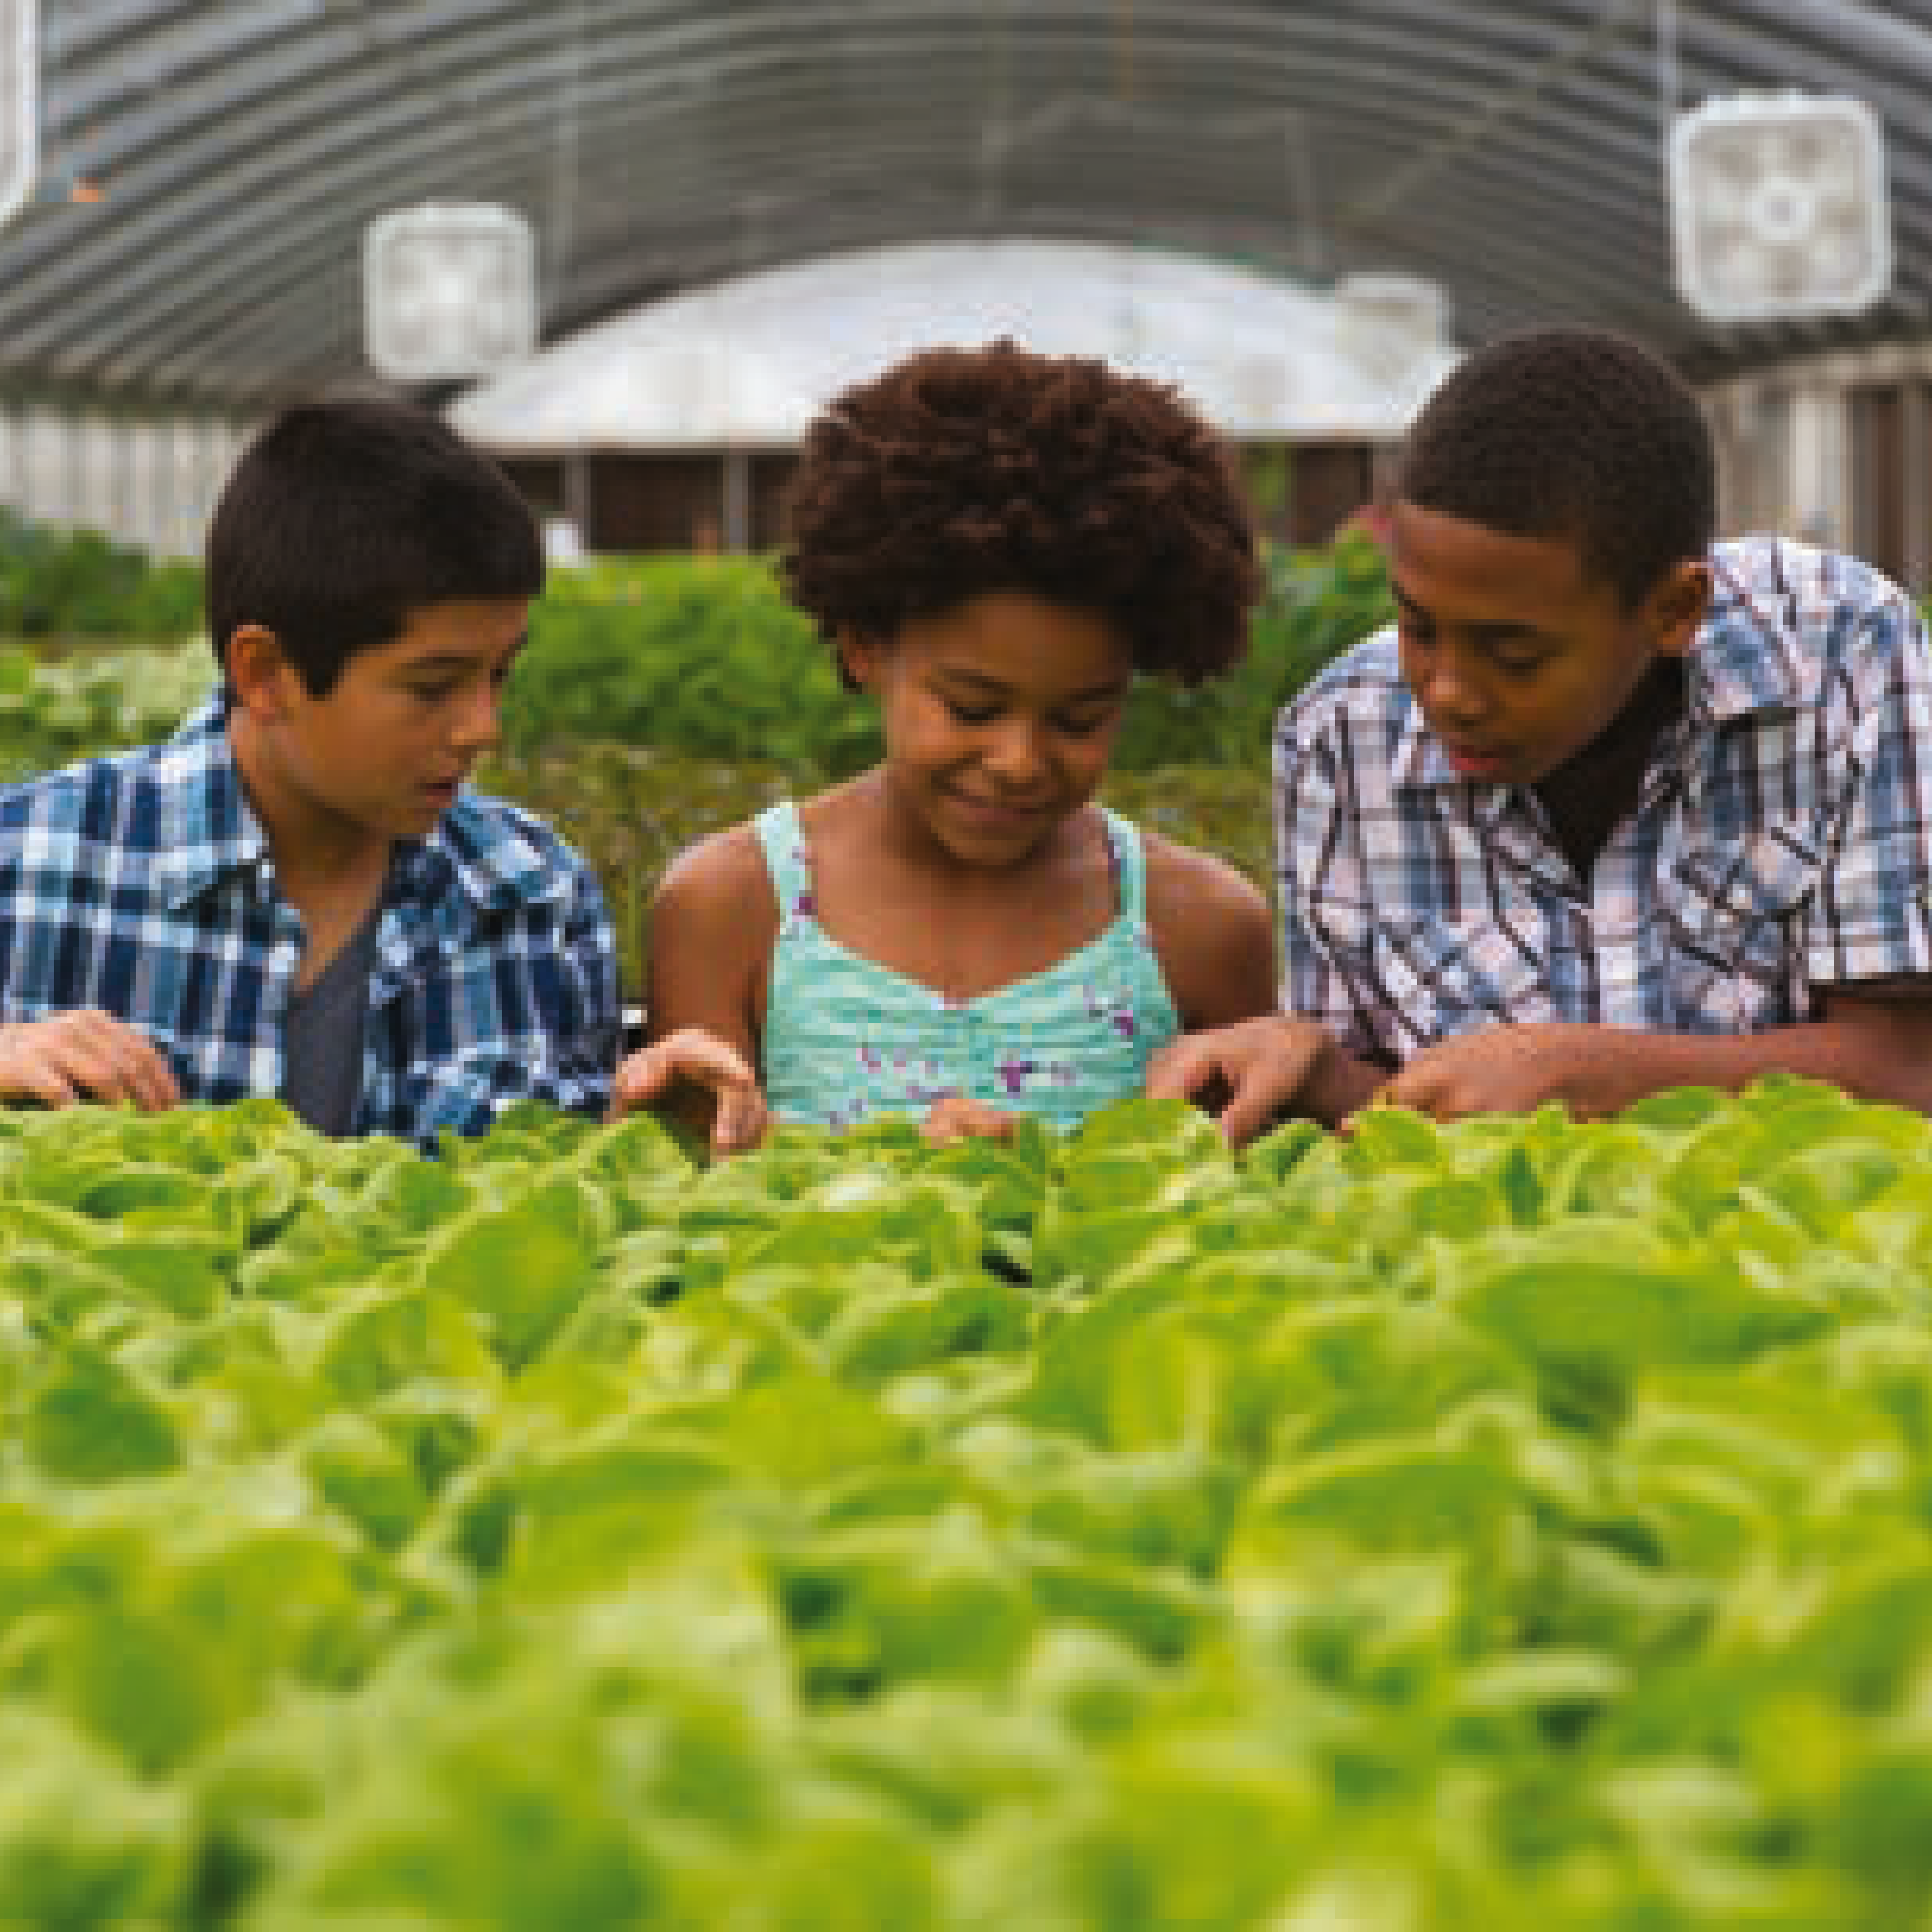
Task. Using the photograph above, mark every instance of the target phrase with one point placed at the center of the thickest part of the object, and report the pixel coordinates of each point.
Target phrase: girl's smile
(999, 716)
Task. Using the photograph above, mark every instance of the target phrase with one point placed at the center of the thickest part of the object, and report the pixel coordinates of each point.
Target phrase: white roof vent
(1778, 207)
(449, 290)
(20, 110)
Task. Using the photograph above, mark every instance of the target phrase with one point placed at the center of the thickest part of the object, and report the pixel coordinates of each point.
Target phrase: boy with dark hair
(1614, 808)
(297, 895)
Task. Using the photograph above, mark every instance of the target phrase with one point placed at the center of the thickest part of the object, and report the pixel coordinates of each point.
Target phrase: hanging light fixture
(449, 291)
(19, 102)
(1778, 207)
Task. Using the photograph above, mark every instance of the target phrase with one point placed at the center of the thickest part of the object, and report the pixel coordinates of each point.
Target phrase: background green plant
(664, 696)
(702, 654)
(57, 584)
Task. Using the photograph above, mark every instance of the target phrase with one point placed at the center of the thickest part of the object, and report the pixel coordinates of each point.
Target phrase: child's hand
(1595, 1071)
(1246, 1074)
(692, 1071)
(957, 1118)
(84, 1056)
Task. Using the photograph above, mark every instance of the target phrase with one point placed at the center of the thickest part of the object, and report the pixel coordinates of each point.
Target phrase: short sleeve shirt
(143, 884)
(1781, 844)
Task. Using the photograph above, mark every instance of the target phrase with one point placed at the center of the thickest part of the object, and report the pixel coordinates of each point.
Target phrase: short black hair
(962, 471)
(1577, 433)
(346, 515)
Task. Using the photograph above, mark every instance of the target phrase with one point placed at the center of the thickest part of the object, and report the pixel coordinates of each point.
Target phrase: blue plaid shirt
(143, 885)
(1782, 843)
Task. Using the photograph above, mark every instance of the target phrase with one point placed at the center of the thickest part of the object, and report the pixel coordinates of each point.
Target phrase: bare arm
(1213, 933)
(1875, 1047)
(1239, 1058)
(712, 924)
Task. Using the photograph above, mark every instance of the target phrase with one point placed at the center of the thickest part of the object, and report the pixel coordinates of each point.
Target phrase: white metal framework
(19, 102)
(748, 363)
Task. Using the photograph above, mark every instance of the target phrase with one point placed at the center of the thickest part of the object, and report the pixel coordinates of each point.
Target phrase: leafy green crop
(58, 583)
(53, 712)
(1521, 1523)
(703, 656)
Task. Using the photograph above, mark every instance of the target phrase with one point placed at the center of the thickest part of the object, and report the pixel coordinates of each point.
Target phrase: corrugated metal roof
(235, 153)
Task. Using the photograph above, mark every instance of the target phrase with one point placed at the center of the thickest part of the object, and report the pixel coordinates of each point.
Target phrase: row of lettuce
(1522, 1523)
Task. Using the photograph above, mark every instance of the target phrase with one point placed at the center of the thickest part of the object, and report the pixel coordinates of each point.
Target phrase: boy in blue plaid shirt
(1614, 807)
(297, 895)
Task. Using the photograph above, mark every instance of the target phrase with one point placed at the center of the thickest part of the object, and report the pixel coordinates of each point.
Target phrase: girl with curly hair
(994, 543)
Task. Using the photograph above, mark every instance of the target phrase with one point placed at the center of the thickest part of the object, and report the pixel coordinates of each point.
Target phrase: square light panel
(1778, 207)
(449, 291)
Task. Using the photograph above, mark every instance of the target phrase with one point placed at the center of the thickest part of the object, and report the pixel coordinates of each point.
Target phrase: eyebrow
(992, 686)
(1494, 632)
(463, 660)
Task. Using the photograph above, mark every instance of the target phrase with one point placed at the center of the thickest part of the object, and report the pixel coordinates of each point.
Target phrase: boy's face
(381, 756)
(1517, 657)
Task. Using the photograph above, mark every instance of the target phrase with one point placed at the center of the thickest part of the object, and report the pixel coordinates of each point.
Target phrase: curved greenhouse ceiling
(207, 171)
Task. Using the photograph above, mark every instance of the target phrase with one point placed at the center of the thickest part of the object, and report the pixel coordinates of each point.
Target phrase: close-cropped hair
(344, 516)
(1572, 433)
(961, 472)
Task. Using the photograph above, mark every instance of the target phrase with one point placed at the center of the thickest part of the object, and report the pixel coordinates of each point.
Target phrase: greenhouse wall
(149, 479)
(635, 502)
(1836, 448)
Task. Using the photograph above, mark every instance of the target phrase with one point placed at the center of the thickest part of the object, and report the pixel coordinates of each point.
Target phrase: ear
(259, 674)
(858, 658)
(1677, 607)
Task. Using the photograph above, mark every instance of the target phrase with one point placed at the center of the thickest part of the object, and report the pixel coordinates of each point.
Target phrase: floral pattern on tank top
(846, 1038)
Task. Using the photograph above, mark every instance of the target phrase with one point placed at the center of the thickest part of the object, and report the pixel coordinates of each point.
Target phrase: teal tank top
(845, 1037)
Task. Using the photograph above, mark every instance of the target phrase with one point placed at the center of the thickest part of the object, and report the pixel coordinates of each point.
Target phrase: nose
(1445, 690)
(478, 724)
(1016, 754)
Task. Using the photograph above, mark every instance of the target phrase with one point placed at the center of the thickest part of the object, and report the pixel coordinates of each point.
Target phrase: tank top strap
(1129, 865)
(787, 859)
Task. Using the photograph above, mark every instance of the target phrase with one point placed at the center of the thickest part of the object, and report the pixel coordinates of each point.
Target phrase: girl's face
(999, 716)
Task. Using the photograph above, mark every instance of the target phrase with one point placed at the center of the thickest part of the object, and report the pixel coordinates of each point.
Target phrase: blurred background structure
(722, 206)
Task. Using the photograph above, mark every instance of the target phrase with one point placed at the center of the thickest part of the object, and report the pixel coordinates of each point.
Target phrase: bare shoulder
(725, 871)
(712, 923)
(1185, 882)
(1214, 933)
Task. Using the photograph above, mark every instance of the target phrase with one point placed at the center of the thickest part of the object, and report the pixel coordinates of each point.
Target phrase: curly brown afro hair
(958, 472)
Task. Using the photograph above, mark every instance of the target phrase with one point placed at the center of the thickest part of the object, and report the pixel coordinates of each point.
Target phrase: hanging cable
(559, 225)
(1669, 90)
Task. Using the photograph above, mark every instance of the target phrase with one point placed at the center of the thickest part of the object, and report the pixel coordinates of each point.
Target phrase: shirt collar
(208, 828)
(211, 832)
(1742, 659)
(495, 862)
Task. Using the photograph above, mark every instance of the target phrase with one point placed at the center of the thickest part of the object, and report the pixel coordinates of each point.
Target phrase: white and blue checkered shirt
(1781, 845)
(143, 885)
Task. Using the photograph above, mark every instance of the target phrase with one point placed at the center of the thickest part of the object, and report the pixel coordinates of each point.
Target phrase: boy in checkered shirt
(298, 894)
(1613, 808)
